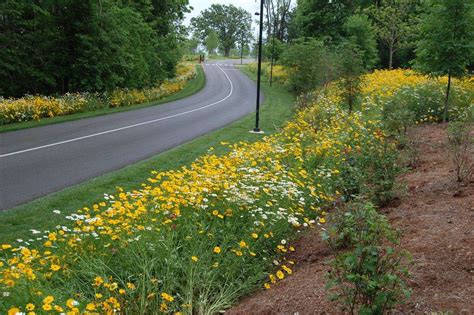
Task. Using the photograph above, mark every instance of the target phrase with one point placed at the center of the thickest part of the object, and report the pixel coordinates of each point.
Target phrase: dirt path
(436, 217)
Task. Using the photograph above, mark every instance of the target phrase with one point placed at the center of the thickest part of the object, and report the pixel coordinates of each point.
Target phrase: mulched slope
(436, 216)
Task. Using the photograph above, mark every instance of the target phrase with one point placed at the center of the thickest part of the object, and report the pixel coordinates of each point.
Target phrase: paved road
(39, 161)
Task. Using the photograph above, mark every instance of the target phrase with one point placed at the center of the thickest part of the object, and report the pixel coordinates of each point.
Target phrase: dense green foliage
(310, 64)
(360, 31)
(395, 25)
(447, 45)
(212, 42)
(61, 46)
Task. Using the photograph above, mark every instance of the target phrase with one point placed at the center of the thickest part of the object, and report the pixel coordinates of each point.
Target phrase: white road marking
(127, 127)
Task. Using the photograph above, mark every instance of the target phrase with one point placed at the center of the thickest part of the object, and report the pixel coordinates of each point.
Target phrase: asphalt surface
(39, 161)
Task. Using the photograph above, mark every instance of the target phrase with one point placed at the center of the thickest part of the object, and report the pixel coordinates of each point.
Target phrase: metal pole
(273, 55)
(242, 49)
(259, 72)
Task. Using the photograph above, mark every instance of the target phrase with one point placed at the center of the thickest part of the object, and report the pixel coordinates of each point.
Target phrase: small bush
(368, 278)
(310, 64)
(350, 224)
(460, 146)
(397, 118)
(371, 171)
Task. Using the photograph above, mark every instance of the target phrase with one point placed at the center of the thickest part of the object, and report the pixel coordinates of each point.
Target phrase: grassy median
(15, 223)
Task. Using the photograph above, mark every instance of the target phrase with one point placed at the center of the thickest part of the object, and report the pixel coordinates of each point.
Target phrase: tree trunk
(390, 57)
(446, 100)
(226, 52)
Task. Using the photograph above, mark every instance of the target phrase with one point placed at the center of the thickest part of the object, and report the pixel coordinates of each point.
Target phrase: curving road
(36, 162)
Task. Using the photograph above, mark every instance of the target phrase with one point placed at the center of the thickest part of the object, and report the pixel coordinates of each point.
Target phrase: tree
(322, 18)
(59, 46)
(192, 45)
(359, 29)
(273, 47)
(212, 42)
(27, 46)
(351, 67)
(310, 64)
(447, 44)
(278, 13)
(117, 49)
(393, 25)
(229, 22)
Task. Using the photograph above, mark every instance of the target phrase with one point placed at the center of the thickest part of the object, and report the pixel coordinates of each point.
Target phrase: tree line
(394, 28)
(60, 46)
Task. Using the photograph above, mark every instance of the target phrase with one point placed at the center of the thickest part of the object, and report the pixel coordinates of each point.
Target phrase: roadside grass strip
(195, 238)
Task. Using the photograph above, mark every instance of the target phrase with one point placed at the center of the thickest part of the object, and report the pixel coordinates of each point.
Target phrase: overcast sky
(250, 5)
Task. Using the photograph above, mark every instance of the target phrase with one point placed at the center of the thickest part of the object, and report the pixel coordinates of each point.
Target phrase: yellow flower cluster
(37, 107)
(199, 234)
(128, 97)
(384, 83)
(280, 75)
(420, 94)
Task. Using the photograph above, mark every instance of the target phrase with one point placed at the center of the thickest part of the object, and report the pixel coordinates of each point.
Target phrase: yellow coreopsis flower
(98, 281)
(48, 300)
(14, 311)
(47, 307)
(280, 274)
(71, 303)
(217, 249)
(90, 307)
(167, 297)
(30, 307)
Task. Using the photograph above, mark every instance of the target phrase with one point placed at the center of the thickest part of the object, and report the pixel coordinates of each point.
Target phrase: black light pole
(259, 72)
(273, 55)
(242, 49)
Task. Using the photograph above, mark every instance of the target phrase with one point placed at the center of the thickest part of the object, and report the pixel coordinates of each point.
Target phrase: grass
(15, 223)
(192, 87)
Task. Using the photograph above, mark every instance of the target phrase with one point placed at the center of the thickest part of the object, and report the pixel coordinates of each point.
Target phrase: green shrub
(310, 64)
(369, 277)
(349, 224)
(397, 118)
(460, 147)
(370, 172)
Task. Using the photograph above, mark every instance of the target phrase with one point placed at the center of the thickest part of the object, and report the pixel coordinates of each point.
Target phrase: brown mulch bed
(436, 217)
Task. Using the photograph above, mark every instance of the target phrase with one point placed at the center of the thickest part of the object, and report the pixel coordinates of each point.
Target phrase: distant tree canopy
(60, 46)
(395, 24)
(231, 24)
